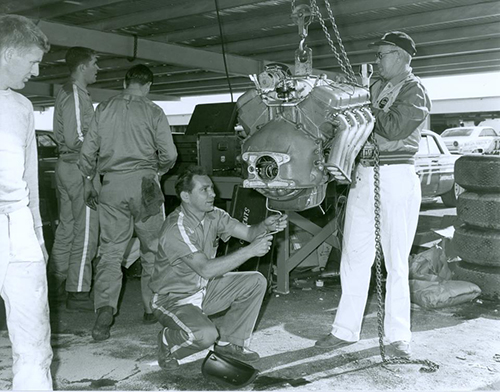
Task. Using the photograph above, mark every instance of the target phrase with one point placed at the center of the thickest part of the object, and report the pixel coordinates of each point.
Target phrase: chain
(339, 40)
(429, 366)
(348, 72)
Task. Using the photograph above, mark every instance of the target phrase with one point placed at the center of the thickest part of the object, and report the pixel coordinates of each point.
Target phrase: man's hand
(276, 223)
(90, 194)
(261, 245)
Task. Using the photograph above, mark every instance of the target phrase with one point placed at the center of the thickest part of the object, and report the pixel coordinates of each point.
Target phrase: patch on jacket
(383, 102)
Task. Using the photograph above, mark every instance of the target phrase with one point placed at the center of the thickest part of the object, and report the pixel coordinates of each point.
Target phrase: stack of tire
(477, 240)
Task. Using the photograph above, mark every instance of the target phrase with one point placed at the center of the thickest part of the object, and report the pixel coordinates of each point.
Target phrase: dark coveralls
(131, 140)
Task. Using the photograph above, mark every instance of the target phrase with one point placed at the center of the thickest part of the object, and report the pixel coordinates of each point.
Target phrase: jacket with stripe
(400, 107)
(183, 234)
(73, 111)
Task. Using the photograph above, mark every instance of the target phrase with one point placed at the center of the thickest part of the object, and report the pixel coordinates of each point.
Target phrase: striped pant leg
(189, 330)
(85, 233)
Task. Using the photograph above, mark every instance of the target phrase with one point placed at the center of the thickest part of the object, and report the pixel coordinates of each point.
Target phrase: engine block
(302, 132)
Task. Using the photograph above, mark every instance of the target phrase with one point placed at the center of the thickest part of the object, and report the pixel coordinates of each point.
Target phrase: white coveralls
(400, 107)
(131, 136)
(23, 280)
(75, 243)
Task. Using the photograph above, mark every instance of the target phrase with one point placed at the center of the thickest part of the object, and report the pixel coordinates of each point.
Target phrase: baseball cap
(397, 38)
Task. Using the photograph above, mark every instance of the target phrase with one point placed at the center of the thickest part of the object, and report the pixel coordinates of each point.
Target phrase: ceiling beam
(424, 20)
(116, 44)
(16, 6)
(59, 9)
(166, 12)
(122, 45)
(98, 95)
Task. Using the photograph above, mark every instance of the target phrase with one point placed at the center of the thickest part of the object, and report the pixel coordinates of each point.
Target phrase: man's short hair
(20, 33)
(184, 182)
(139, 74)
(78, 55)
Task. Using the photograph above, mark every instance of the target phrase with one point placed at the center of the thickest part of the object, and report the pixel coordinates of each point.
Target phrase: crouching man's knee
(206, 337)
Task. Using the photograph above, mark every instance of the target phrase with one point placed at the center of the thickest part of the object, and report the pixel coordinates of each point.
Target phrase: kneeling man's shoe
(237, 352)
(332, 342)
(165, 359)
(149, 318)
(399, 349)
(103, 323)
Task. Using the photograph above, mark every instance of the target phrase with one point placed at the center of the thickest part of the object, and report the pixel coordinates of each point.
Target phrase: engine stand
(285, 263)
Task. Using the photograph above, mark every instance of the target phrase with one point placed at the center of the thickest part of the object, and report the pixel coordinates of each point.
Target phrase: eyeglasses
(380, 56)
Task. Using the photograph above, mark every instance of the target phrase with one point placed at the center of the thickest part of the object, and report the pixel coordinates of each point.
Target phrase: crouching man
(190, 283)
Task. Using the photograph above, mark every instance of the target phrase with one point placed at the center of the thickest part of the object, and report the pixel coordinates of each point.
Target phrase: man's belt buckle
(367, 162)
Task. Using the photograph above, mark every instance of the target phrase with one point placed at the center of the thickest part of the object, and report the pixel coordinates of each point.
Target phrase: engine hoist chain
(429, 366)
(341, 57)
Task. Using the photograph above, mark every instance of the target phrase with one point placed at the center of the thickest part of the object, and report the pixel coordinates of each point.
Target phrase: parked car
(47, 159)
(465, 140)
(435, 167)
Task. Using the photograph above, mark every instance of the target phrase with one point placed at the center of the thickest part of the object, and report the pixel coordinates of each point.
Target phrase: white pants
(23, 287)
(400, 203)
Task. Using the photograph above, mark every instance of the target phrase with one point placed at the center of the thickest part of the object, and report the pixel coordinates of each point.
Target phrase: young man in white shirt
(23, 258)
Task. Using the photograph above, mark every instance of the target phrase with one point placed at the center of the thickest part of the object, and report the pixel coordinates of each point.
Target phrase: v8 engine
(302, 132)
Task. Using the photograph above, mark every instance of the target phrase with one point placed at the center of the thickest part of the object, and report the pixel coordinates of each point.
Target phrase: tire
(450, 198)
(479, 210)
(487, 278)
(478, 246)
(479, 173)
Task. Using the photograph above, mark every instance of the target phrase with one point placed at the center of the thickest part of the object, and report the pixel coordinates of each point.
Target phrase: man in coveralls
(190, 283)
(75, 243)
(23, 278)
(400, 105)
(131, 136)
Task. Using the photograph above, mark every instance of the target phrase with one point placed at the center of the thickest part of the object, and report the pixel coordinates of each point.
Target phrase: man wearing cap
(400, 105)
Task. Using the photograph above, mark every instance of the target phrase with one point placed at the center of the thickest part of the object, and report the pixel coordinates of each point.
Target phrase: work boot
(399, 349)
(165, 359)
(103, 323)
(239, 353)
(331, 342)
(79, 302)
(149, 318)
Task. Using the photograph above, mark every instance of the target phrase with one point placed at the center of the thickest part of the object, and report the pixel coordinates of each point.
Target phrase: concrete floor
(463, 340)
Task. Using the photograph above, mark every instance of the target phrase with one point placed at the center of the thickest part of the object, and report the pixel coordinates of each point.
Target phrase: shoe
(149, 318)
(237, 352)
(79, 302)
(330, 341)
(399, 349)
(103, 323)
(165, 359)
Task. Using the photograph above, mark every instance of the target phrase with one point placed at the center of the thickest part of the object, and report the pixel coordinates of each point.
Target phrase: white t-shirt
(18, 155)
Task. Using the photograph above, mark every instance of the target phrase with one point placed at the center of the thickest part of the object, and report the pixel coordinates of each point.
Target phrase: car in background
(435, 166)
(466, 140)
(47, 159)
